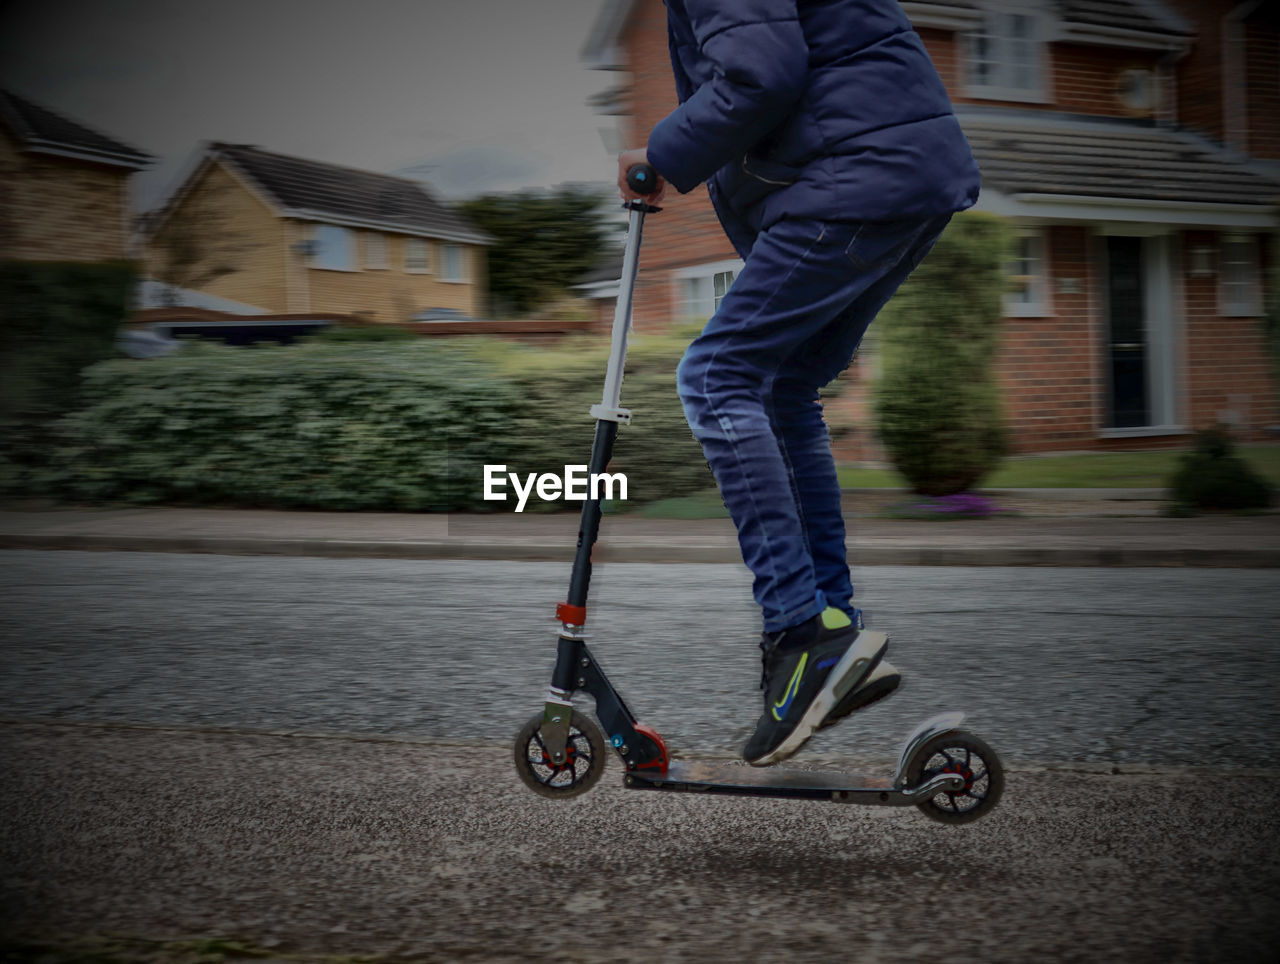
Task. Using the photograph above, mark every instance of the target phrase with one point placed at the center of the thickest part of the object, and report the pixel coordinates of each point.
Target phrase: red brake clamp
(572, 615)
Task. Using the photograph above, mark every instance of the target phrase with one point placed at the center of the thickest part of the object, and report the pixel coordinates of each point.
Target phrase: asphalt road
(1108, 667)
(150, 794)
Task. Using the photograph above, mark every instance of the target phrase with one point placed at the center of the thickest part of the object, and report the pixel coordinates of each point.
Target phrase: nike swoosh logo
(780, 708)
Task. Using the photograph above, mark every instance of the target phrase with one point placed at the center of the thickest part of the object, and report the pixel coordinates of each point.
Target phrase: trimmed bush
(553, 428)
(403, 426)
(937, 404)
(1212, 476)
(340, 427)
(362, 333)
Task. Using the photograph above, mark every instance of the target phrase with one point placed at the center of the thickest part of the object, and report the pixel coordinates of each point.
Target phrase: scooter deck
(734, 779)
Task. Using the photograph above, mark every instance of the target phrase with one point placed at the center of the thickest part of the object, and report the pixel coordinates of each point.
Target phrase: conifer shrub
(938, 407)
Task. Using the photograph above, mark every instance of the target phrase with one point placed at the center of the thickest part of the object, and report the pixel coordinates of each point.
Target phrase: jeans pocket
(878, 243)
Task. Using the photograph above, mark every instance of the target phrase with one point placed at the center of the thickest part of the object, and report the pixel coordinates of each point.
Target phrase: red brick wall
(1052, 369)
(1200, 72)
(1086, 80)
(943, 50)
(1262, 66)
(1227, 364)
(1048, 366)
(686, 231)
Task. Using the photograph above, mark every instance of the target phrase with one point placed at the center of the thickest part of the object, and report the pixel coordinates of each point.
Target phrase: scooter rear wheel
(583, 765)
(962, 753)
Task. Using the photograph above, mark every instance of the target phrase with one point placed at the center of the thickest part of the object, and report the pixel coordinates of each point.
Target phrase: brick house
(288, 235)
(64, 189)
(1127, 140)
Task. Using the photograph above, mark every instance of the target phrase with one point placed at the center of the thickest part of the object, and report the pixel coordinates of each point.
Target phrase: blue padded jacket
(827, 109)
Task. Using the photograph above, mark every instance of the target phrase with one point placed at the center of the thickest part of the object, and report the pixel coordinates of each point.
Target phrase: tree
(545, 242)
(937, 404)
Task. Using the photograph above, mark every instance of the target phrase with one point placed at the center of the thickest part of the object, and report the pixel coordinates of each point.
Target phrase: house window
(721, 281)
(1239, 291)
(375, 250)
(415, 255)
(333, 248)
(1028, 278)
(701, 289)
(1006, 54)
(452, 263)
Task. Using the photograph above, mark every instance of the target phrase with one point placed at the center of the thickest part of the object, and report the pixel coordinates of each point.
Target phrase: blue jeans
(749, 385)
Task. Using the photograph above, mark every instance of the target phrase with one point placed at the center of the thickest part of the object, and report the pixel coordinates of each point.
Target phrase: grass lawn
(1095, 470)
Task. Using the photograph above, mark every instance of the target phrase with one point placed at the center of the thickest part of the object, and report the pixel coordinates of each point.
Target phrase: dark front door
(1129, 405)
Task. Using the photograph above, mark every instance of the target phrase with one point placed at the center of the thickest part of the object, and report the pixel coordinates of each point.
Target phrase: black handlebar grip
(642, 179)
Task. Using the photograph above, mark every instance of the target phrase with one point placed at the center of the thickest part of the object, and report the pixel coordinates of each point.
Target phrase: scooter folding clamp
(608, 414)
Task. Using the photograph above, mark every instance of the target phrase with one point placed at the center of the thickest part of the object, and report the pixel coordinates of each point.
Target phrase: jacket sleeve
(760, 67)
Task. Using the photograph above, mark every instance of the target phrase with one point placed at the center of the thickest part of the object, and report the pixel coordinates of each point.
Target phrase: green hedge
(656, 450)
(402, 426)
(55, 319)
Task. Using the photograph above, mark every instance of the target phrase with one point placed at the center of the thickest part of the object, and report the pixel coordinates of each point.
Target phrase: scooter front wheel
(961, 753)
(582, 767)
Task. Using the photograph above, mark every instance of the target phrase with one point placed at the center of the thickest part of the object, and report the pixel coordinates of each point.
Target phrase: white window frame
(992, 11)
(333, 248)
(1039, 303)
(375, 250)
(704, 305)
(425, 247)
(450, 271)
(1248, 302)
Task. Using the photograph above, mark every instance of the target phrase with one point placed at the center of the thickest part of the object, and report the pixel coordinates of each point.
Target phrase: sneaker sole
(869, 647)
(863, 697)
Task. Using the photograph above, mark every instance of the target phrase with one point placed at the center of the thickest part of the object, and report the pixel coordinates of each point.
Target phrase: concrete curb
(537, 552)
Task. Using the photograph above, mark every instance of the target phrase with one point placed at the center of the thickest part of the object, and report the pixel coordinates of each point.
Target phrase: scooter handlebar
(642, 179)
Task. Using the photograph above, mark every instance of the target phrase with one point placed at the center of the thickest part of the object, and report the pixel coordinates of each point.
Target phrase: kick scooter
(949, 774)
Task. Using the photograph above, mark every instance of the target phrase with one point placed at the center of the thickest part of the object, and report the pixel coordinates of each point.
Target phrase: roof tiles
(315, 188)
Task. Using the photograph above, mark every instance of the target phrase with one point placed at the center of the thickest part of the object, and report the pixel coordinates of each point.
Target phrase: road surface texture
(311, 757)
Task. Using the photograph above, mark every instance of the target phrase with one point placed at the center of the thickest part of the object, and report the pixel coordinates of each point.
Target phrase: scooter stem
(608, 414)
(608, 408)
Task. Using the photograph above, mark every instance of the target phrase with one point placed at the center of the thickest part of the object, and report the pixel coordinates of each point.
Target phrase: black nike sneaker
(808, 670)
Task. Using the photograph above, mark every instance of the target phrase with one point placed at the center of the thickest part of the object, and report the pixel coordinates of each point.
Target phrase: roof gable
(40, 130)
(314, 190)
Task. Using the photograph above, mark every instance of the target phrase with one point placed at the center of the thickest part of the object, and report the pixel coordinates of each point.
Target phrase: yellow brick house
(288, 235)
(64, 189)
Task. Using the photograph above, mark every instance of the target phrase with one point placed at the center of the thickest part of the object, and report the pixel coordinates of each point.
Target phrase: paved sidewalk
(1054, 529)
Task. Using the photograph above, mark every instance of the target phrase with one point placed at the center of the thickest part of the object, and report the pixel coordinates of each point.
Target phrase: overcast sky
(470, 95)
